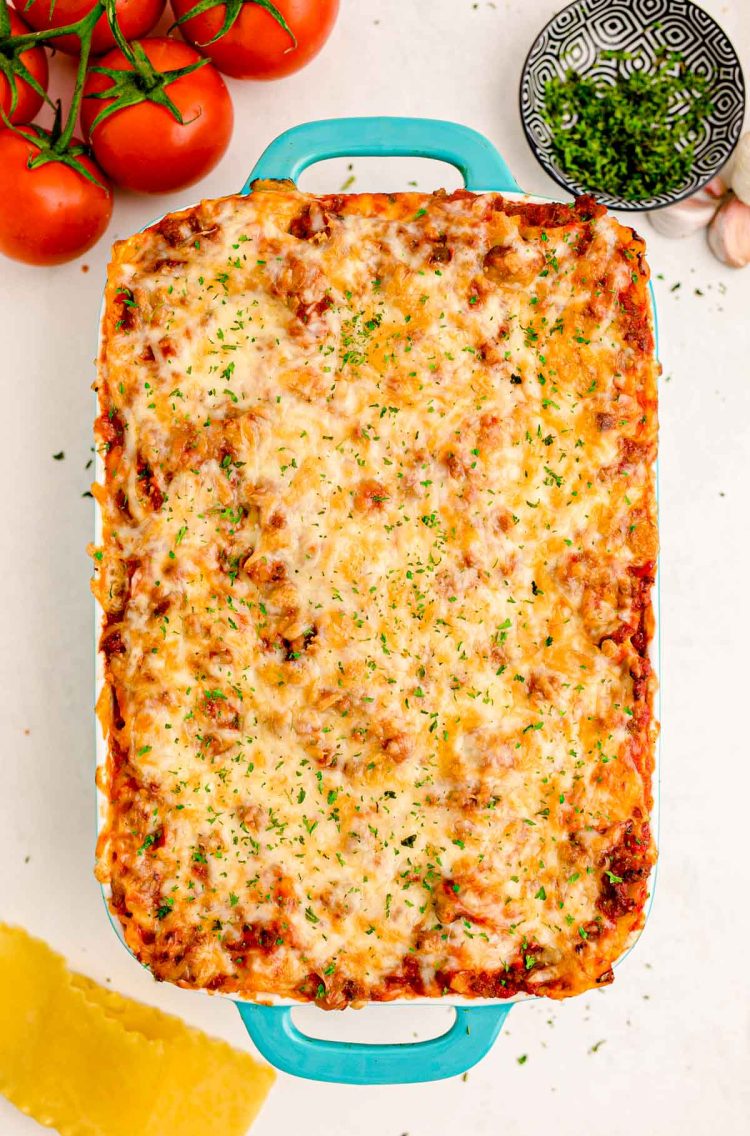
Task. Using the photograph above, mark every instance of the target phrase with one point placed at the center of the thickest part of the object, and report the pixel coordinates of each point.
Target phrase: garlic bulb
(741, 169)
(694, 213)
(729, 233)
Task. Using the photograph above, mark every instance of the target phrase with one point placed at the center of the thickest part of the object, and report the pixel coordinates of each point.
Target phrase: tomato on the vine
(53, 212)
(33, 61)
(128, 113)
(135, 17)
(256, 43)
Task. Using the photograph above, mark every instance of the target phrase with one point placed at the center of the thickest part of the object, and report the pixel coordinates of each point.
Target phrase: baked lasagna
(378, 542)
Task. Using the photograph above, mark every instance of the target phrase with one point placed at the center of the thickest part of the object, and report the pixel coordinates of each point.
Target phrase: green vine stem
(56, 145)
(141, 84)
(85, 35)
(232, 9)
(12, 66)
(80, 28)
(114, 26)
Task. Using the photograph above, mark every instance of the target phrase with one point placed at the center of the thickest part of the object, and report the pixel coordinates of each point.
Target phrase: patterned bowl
(574, 39)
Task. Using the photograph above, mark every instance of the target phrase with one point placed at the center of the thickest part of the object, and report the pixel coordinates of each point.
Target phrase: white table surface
(665, 1050)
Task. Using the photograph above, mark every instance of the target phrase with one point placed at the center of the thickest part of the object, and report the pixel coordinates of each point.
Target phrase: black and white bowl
(574, 40)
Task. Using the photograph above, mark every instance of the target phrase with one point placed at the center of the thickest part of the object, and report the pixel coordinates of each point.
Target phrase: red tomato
(35, 59)
(256, 46)
(136, 18)
(52, 213)
(143, 147)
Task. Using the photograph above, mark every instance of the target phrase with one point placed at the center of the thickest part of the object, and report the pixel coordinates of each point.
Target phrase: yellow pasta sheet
(89, 1062)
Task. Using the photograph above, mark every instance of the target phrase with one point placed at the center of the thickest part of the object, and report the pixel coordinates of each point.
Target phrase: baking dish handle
(355, 1063)
(466, 149)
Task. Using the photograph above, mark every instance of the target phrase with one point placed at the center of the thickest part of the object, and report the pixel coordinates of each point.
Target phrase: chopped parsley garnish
(634, 138)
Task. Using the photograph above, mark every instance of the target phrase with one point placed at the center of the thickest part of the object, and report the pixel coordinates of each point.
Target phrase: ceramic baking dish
(476, 1024)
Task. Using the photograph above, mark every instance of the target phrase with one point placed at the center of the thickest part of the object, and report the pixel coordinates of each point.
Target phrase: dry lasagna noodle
(378, 545)
(88, 1062)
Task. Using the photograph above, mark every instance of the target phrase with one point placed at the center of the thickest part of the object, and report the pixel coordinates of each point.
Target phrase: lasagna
(378, 543)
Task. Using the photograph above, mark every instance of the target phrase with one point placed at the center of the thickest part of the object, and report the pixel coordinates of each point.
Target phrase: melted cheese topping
(379, 535)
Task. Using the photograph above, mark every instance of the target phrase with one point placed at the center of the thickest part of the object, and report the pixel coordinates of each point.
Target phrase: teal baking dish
(476, 1025)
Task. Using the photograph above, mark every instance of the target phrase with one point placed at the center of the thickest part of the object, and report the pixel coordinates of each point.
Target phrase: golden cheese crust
(379, 535)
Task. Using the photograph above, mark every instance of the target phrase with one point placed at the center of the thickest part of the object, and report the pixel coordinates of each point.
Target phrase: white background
(665, 1050)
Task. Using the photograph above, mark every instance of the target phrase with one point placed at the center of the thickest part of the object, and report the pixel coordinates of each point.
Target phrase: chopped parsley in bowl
(634, 137)
(639, 109)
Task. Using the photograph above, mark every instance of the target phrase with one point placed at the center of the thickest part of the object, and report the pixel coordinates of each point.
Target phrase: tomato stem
(85, 36)
(79, 28)
(12, 66)
(232, 9)
(142, 83)
(58, 142)
(56, 145)
(114, 25)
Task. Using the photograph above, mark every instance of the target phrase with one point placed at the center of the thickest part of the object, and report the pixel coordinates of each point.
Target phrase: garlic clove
(689, 216)
(729, 233)
(716, 187)
(741, 169)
